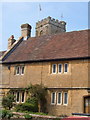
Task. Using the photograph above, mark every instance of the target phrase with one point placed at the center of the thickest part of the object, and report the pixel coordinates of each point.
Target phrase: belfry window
(41, 32)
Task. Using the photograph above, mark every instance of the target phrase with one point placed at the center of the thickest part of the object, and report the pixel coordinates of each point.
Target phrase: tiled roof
(59, 46)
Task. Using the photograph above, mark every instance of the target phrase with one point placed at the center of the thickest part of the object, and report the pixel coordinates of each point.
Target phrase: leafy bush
(26, 107)
(38, 91)
(30, 105)
(27, 116)
(8, 101)
(32, 100)
(5, 114)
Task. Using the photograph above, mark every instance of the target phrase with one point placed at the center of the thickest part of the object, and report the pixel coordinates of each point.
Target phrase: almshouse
(57, 59)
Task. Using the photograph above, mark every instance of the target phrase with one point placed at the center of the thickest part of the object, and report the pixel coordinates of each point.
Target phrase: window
(59, 68)
(19, 70)
(62, 68)
(54, 68)
(17, 97)
(22, 97)
(65, 98)
(22, 70)
(41, 32)
(59, 98)
(53, 98)
(65, 67)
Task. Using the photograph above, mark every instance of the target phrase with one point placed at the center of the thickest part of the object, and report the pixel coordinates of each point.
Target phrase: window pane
(60, 68)
(22, 70)
(65, 67)
(17, 70)
(17, 97)
(65, 98)
(53, 98)
(22, 96)
(59, 98)
(54, 68)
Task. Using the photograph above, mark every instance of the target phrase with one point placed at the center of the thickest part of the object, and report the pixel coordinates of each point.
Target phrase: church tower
(49, 26)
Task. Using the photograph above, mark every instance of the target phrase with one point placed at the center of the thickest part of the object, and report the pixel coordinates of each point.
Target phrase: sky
(13, 14)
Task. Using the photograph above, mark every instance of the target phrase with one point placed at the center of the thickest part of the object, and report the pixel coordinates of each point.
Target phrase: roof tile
(59, 46)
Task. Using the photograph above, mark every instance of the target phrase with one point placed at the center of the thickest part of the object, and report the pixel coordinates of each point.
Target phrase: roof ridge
(13, 46)
(48, 35)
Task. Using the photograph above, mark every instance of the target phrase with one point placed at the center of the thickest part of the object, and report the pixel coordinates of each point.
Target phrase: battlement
(50, 26)
(50, 20)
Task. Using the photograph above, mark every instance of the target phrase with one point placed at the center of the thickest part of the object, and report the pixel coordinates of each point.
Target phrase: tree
(8, 101)
(39, 92)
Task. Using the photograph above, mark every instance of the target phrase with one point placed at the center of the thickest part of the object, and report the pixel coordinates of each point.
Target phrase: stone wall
(37, 73)
(74, 82)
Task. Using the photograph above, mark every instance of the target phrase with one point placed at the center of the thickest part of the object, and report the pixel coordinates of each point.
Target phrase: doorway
(87, 104)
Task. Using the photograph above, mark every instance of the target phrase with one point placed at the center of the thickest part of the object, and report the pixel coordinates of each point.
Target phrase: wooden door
(87, 104)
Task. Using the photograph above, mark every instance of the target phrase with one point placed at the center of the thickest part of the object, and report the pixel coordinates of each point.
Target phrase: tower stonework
(50, 26)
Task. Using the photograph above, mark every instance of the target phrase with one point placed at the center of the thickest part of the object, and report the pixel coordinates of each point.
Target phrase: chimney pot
(12, 37)
(11, 40)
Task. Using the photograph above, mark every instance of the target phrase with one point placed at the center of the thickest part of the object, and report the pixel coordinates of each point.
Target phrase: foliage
(8, 101)
(27, 116)
(57, 119)
(30, 105)
(39, 92)
(6, 114)
(26, 107)
(32, 100)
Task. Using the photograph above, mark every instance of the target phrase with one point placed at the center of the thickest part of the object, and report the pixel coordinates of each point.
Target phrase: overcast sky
(13, 14)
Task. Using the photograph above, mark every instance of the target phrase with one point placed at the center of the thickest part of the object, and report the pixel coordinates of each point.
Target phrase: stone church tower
(50, 26)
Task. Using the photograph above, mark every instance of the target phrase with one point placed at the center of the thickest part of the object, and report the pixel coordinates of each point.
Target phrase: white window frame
(57, 98)
(61, 68)
(21, 97)
(67, 68)
(54, 99)
(16, 97)
(52, 69)
(64, 99)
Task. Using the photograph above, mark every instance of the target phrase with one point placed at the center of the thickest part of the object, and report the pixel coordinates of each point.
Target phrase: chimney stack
(26, 31)
(11, 40)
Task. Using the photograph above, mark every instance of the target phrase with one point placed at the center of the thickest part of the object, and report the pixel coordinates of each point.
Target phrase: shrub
(27, 116)
(30, 105)
(8, 101)
(5, 114)
(38, 91)
(26, 107)
(32, 100)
